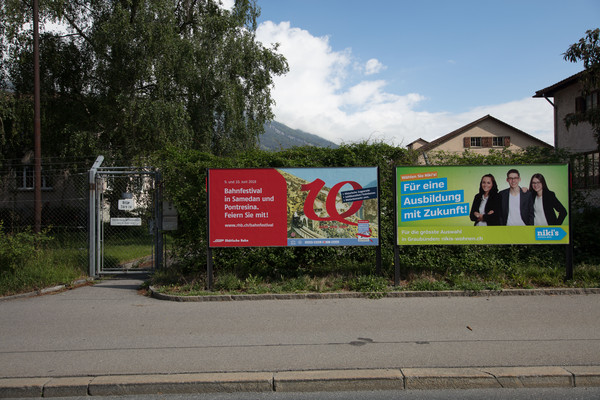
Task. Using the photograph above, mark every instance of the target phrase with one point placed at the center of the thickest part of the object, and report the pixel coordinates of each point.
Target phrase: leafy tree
(127, 77)
(587, 49)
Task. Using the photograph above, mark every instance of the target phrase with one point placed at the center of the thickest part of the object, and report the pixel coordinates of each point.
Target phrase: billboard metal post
(569, 256)
(569, 247)
(378, 260)
(396, 249)
(209, 254)
(396, 265)
(209, 269)
(378, 248)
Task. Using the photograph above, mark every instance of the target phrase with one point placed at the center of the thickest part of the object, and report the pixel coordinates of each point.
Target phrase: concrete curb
(358, 295)
(448, 378)
(181, 383)
(338, 380)
(521, 377)
(304, 381)
(53, 289)
(324, 296)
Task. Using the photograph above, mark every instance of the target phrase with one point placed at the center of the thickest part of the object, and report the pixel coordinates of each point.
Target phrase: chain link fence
(585, 169)
(125, 213)
(64, 202)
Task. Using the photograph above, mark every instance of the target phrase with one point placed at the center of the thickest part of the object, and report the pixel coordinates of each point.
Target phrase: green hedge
(184, 173)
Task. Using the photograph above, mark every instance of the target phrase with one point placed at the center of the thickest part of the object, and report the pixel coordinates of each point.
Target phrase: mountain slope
(278, 136)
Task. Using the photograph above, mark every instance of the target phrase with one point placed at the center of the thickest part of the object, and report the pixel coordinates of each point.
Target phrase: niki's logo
(315, 187)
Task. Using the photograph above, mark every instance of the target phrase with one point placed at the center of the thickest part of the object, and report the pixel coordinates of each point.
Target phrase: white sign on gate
(126, 222)
(126, 204)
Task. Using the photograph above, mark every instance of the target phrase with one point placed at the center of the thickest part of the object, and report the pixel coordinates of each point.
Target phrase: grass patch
(427, 283)
(30, 262)
(229, 283)
(586, 276)
(519, 275)
(118, 252)
(48, 267)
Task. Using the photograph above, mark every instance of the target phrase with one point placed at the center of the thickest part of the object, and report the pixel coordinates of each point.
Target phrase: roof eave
(551, 90)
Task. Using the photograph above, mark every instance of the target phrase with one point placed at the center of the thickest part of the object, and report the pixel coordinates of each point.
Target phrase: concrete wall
(578, 138)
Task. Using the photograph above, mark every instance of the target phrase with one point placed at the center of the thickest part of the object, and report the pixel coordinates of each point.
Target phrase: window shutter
(580, 104)
(466, 142)
(506, 141)
(486, 142)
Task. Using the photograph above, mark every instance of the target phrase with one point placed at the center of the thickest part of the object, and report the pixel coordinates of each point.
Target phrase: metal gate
(125, 220)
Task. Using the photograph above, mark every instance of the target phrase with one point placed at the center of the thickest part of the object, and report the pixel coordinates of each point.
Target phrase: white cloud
(373, 66)
(533, 116)
(228, 4)
(318, 97)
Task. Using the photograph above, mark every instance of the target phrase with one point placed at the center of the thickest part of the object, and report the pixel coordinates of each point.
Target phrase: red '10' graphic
(315, 187)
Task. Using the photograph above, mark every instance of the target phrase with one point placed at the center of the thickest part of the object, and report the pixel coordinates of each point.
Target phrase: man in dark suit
(517, 205)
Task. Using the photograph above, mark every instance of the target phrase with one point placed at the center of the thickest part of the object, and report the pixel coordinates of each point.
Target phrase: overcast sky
(398, 70)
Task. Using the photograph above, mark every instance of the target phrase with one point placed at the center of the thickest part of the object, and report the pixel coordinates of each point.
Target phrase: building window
(26, 181)
(476, 142)
(589, 102)
(498, 141)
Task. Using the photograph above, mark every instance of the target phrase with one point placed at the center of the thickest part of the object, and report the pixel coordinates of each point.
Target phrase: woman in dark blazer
(486, 204)
(545, 203)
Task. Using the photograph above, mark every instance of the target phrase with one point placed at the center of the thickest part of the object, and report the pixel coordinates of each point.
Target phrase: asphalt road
(109, 328)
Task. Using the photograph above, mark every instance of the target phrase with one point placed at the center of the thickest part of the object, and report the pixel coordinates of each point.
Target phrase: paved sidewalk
(107, 339)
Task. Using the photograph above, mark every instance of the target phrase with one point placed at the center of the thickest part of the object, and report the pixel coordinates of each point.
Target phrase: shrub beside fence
(185, 186)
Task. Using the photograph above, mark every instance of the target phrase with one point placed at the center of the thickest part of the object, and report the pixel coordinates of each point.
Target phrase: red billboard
(293, 207)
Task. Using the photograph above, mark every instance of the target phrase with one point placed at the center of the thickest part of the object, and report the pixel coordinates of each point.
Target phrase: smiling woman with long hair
(486, 204)
(545, 203)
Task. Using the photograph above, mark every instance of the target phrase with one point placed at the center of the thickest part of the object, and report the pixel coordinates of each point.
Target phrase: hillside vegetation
(278, 136)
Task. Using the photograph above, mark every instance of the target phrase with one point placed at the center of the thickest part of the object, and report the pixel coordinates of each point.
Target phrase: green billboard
(501, 204)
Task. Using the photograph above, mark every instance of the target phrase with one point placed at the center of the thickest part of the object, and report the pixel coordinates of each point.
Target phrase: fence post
(92, 217)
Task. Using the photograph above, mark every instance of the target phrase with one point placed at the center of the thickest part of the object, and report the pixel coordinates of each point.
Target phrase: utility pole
(37, 177)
